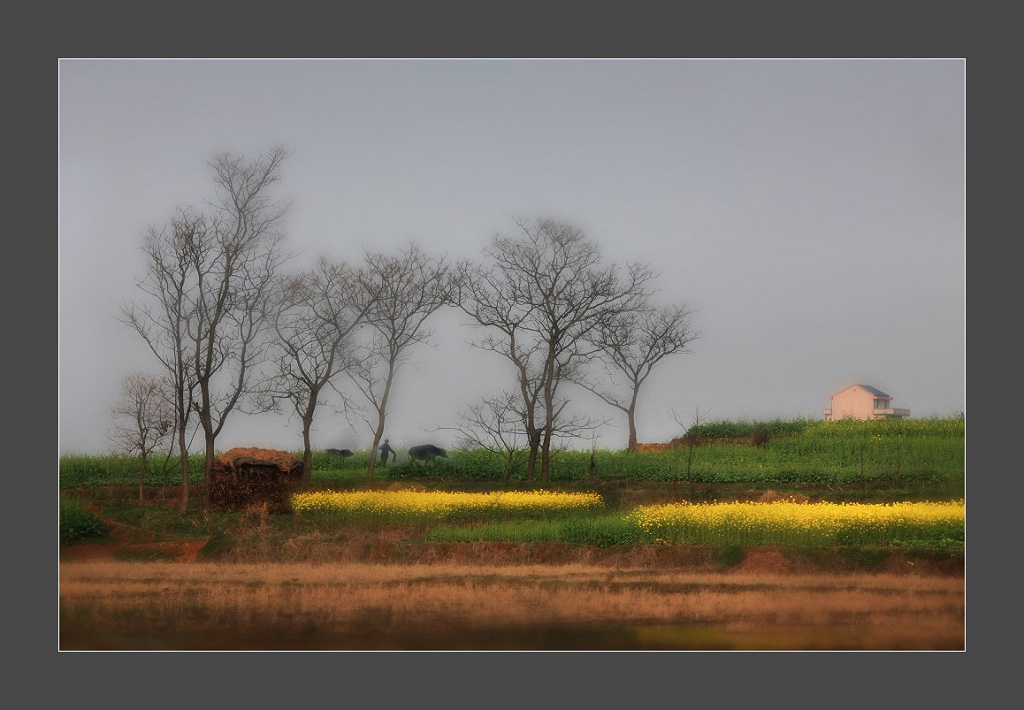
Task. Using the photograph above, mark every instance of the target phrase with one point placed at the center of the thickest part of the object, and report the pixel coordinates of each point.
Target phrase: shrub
(760, 437)
(77, 522)
(741, 429)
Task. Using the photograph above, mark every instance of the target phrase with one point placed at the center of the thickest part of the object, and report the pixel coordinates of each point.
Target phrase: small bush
(77, 522)
(760, 437)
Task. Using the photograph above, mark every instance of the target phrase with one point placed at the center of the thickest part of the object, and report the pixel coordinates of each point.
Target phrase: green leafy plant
(77, 522)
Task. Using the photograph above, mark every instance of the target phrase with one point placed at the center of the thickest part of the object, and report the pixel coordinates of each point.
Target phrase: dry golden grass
(156, 605)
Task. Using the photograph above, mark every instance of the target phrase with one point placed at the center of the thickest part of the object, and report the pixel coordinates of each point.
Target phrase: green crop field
(929, 451)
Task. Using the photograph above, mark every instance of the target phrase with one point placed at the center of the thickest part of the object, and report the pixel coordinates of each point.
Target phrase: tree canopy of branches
(143, 419)
(541, 296)
(313, 317)
(631, 345)
(208, 278)
(409, 288)
(495, 424)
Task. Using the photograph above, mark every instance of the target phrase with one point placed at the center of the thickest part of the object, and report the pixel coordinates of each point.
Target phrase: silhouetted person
(385, 450)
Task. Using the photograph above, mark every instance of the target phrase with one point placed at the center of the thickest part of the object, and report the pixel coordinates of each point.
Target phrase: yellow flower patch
(440, 504)
(796, 523)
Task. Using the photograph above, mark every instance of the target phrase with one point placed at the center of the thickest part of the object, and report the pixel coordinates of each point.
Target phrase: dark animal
(344, 453)
(426, 452)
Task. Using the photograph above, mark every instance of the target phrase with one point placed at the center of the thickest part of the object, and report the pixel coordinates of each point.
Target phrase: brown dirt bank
(390, 548)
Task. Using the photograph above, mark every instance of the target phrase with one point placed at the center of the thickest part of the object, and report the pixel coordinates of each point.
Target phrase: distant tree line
(233, 330)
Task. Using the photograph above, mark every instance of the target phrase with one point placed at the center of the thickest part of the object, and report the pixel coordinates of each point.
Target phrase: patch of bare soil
(178, 551)
(763, 559)
(770, 496)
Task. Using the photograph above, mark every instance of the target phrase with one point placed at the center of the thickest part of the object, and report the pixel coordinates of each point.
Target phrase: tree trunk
(166, 471)
(307, 451)
(378, 434)
(206, 419)
(545, 456)
(531, 461)
(183, 505)
(631, 416)
(632, 430)
(307, 448)
(382, 410)
(549, 415)
(211, 454)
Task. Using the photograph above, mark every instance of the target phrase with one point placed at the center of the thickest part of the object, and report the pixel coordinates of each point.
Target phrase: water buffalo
(426, 452)
(344, 453)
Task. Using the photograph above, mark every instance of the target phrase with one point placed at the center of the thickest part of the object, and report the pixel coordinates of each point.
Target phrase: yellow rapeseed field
(790, 522)
(440, 504)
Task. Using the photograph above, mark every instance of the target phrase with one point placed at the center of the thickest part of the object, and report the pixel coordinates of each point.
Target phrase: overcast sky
(812, 213)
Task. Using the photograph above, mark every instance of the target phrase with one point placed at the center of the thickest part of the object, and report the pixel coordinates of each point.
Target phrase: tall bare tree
(213, 271)
(631, 346)
(143, 419)
(410, 287)
(541, 295)
(313, 317)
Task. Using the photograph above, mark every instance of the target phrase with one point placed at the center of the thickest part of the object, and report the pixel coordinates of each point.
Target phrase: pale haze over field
(811, 212)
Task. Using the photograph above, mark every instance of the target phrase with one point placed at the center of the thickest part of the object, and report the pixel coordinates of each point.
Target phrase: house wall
(853, 403)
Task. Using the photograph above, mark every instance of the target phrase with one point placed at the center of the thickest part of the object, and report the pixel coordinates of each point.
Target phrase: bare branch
(631, 345)
(408, 289)
(209, 277)
(313, 315)
(540, 297)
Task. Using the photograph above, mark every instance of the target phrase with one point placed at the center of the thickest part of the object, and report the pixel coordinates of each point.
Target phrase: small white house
(863, 402)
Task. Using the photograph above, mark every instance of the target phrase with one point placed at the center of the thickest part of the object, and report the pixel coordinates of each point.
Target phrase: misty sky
(812, 213)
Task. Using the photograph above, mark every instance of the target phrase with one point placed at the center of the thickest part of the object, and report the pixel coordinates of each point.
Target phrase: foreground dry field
(118, 605)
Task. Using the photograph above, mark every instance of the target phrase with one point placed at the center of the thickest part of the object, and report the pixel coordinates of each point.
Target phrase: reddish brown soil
(392, 547)
(180, 551)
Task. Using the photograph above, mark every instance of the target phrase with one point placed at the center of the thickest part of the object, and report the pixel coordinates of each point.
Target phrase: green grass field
(796, 451)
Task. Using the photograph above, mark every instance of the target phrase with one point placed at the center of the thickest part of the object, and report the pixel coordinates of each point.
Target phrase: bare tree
(143, 419)
(410, 287)
(541, 296)
(496, 425)
(163, 321)
(211, 276)
(314, 314)
(631, 345)
(690, 440)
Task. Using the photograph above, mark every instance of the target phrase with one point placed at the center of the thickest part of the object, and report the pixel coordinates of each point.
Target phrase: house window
(880, 404)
